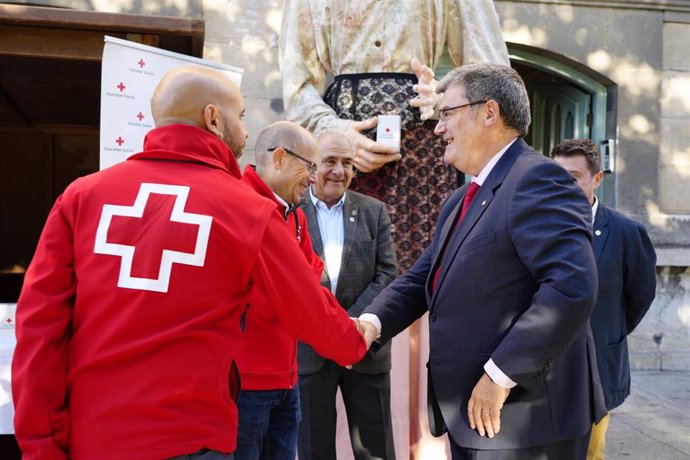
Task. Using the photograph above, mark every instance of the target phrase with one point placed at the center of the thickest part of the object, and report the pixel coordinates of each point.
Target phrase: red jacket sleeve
(308, 312)
(39, 366)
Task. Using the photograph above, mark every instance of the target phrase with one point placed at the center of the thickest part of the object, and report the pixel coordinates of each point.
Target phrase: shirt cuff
(497, 375)
(373, 319)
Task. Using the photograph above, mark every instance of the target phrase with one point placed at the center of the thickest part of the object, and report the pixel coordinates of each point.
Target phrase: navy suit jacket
(517, 283)
(368, 265)
(626, 262)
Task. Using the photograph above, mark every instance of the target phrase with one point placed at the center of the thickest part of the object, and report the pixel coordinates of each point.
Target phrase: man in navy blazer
(509, 281)
(626, 263)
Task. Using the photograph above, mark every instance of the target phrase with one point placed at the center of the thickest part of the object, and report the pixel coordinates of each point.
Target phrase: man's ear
(278, 158)
(212, 119)
(493, 113)
(596, 181)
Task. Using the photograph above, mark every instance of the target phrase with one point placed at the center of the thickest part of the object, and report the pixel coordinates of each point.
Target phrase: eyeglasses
(444, 114)
(311, 166)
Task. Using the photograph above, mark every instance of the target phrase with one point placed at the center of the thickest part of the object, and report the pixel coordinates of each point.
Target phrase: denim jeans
(268, 424)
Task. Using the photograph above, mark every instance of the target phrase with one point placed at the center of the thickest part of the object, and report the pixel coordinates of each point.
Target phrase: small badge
(597, 232)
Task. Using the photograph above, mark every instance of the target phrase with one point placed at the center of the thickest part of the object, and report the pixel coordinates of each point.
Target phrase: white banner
(129, 74)
(8, 341)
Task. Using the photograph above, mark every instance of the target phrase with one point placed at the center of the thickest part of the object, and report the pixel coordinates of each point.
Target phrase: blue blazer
(626, 263)
(517, 283)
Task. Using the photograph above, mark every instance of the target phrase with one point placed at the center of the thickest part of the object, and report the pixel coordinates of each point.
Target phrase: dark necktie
(469, 196)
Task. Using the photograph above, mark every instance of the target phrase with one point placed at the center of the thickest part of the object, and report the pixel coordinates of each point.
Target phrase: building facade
(616, 71)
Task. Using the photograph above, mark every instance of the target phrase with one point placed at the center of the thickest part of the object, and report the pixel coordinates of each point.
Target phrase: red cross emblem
(8, 320)
(140, 116)
(120, 141)
(388, 130)
(141, 63)
(121, 87)
(152, 235)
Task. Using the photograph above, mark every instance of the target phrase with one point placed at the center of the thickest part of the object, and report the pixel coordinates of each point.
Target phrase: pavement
(654, 422)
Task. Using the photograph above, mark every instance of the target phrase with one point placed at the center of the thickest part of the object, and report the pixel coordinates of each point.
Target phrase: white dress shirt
(332, 235)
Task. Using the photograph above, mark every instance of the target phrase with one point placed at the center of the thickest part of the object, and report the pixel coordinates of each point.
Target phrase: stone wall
(662, 340)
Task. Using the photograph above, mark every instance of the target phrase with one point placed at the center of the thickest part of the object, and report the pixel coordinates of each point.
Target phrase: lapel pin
(352, 219)
(483, 202)
(597, 232)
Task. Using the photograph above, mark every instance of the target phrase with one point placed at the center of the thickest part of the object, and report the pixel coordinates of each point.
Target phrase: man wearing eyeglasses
(269, 410)
(509, 282)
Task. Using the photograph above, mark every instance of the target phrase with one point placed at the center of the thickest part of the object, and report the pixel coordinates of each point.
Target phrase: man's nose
(440, 128)
(338, 169)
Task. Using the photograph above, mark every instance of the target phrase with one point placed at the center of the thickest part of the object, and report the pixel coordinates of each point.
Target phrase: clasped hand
(367, 329)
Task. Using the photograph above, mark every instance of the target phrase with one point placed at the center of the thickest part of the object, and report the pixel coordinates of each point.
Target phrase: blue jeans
(268, 424)
(204, 454)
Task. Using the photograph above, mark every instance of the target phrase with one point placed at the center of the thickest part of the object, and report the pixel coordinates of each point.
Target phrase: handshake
(367, 329)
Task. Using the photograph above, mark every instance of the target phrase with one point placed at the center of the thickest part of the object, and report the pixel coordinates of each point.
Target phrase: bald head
(202, 97)
(285, 153)
(284, 134)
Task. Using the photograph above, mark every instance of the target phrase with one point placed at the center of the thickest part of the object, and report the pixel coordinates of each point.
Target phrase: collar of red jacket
(188, 143)
(251, 178)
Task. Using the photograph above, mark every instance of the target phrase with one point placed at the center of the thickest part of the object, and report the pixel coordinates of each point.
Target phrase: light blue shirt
(332, 235)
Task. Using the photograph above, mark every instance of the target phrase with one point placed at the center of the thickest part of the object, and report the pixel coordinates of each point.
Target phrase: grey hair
(334, 133)
(285, 134)
(500, 83)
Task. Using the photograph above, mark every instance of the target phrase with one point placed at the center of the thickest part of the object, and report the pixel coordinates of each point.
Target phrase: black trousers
(367, 403)
(571, 449)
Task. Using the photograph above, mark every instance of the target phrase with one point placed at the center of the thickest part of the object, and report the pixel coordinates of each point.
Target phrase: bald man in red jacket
(129, 318)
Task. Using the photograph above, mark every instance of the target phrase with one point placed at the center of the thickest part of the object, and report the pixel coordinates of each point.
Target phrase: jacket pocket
(479, 241)
(617, 366)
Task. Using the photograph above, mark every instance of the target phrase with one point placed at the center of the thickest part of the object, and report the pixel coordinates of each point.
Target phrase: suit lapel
(313, 224)
(479, 205)
(447, 233)
(351, 218)
(315, 235)
(601, 231)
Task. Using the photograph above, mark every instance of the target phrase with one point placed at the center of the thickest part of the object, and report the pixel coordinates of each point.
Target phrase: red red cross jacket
(129, 317)
(268, 358)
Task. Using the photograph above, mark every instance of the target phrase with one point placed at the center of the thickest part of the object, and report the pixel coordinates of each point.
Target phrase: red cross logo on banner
(121, 87)
(141, 63)
(140, 116)
(388, 130)
(120, 141)
(152, 235)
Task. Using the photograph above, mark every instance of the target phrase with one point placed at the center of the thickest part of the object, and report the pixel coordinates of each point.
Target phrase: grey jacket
(368, 265)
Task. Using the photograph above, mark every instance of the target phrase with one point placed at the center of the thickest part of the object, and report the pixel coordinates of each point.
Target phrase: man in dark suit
(509, 282)
(626, 263)
(351, 233)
